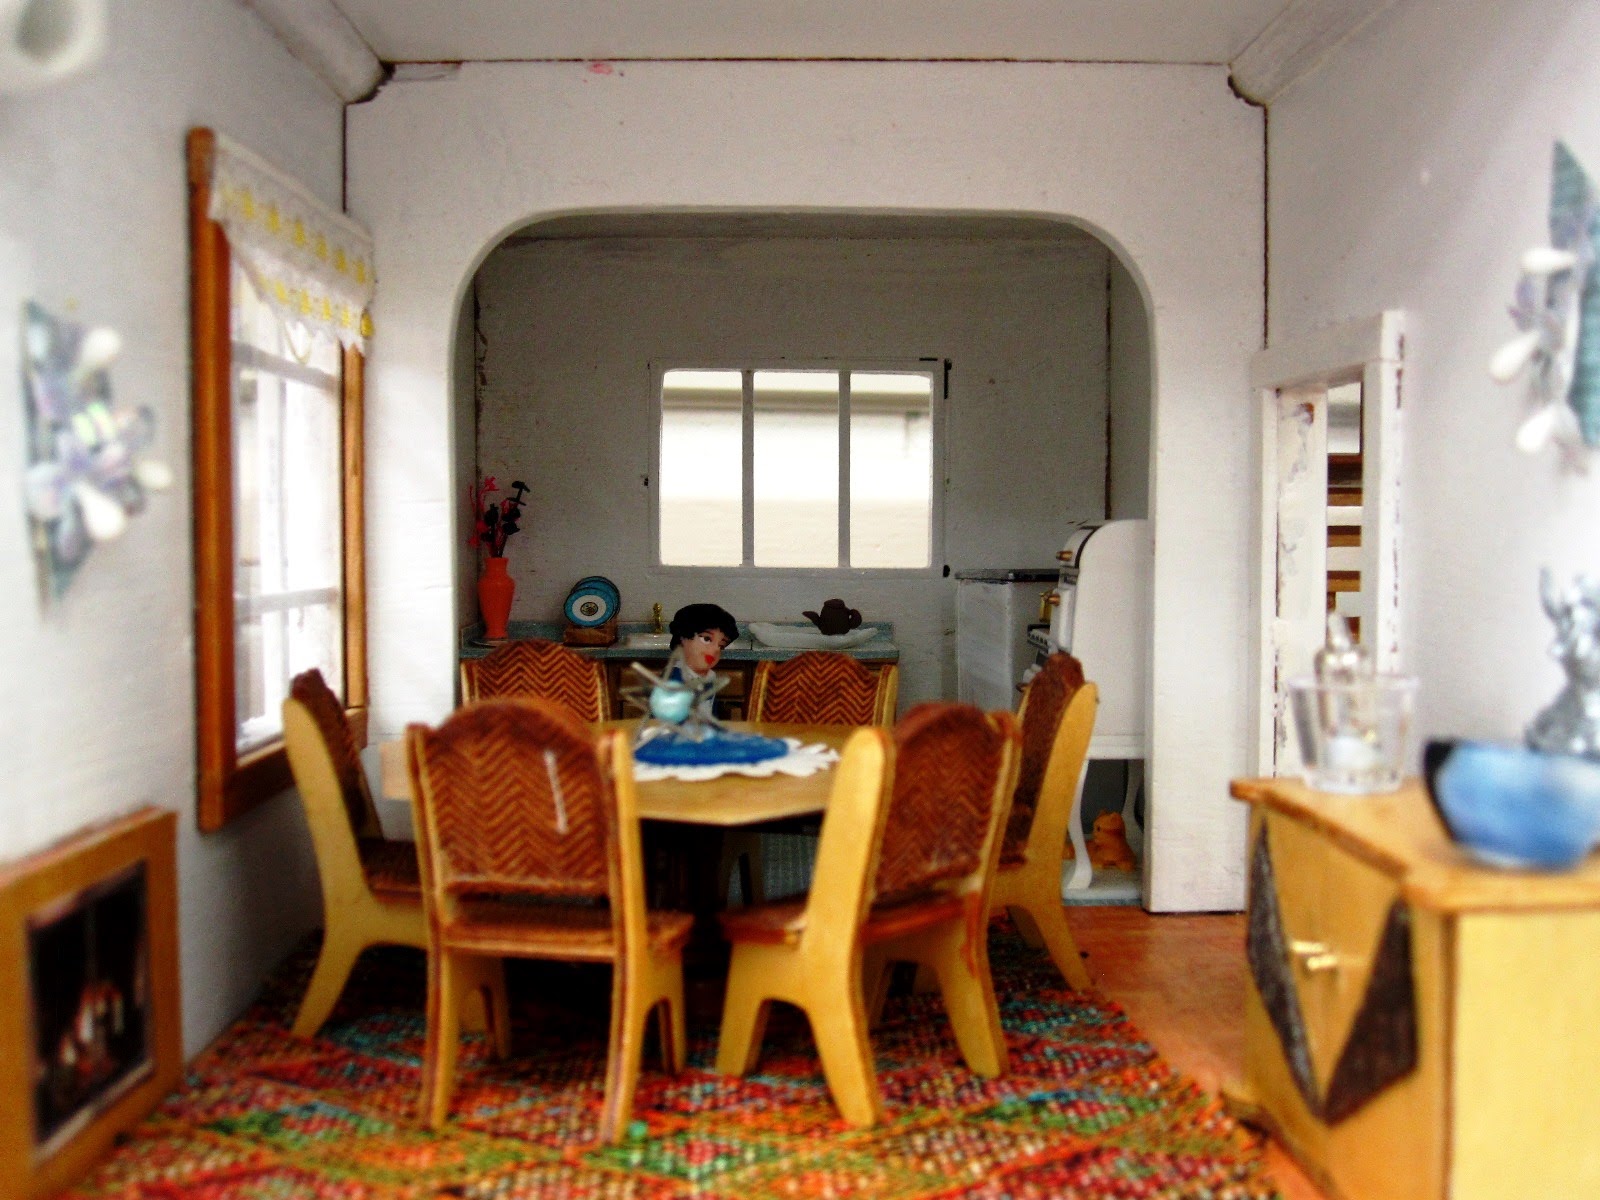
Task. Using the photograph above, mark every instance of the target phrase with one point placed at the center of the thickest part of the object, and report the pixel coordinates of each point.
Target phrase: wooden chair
(371, 893)
(529, 841)
(816, 687)
(1057, 716)
(532, 667)
(824, 687)
(904, 867)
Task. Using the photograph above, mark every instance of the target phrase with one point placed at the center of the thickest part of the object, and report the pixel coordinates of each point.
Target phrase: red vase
(495, 589)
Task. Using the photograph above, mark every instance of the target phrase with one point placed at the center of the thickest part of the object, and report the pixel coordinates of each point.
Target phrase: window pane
(701, 502)
(891, 469)
(287, 516)
(796, 468)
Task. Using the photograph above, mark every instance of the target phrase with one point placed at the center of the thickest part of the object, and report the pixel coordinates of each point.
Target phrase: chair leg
(443, 1043)
(1027, 927)
(672, 1022)
(741, 852)
(1048, 922)
(334, 962)
(630, 1009)
(877, 973)
(744, 1018)
(483, 983)
(968, 992)
(840, 1031)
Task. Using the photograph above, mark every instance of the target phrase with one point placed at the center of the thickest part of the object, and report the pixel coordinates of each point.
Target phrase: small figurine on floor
(1108, 844)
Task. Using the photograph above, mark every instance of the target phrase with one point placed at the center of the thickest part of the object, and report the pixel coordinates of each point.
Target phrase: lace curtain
(311, 264)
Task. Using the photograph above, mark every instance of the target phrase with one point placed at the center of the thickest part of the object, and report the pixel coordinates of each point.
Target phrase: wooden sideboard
(1417, 1027)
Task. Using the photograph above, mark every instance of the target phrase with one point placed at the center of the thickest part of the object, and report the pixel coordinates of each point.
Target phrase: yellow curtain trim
(239, 201)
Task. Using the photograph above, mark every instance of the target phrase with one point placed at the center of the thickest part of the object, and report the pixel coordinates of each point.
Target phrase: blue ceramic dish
(1510, 806)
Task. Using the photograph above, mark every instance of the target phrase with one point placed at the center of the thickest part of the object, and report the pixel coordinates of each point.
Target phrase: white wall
(97, 692)
(1163, 162)
(1411, 172)
(569, 328)
(464, 440)
(1128, 396)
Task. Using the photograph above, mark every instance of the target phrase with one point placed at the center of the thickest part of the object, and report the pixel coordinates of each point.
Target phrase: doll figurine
(682, 696)
(681, 728)
(700, 633)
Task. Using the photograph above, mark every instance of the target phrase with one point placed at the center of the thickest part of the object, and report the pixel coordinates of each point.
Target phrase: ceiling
(1164, 31)
(1267, 45)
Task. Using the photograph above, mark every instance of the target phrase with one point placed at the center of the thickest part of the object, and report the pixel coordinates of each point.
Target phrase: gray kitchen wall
(568, 328)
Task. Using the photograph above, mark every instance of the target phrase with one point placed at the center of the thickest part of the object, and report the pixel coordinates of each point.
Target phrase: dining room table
(730, 799)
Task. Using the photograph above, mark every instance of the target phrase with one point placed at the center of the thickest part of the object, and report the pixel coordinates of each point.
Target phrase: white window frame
(938, 369)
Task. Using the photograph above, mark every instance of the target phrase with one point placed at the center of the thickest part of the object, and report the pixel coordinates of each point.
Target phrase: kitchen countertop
(743, 649)
(1009, 575)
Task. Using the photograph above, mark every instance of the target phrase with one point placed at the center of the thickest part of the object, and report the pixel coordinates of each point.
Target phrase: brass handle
(1064, 556)
(1313, 956)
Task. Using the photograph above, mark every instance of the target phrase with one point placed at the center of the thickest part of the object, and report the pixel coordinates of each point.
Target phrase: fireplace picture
(89, 976)
(90, 1035)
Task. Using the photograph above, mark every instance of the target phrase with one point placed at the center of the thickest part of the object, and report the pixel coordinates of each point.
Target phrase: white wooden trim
(1295, 43)
(319, 34)
(1370, 350)
(1380, 487)
(1331, 355)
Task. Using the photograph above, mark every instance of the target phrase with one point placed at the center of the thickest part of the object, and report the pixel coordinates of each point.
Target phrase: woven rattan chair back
(947, 758)
(310, 689)
(1043, 705)
(529, 843)
(1058, 712)
(904, 866)
(824, 687)
(534, 667)
(371, 892)
(517, 802)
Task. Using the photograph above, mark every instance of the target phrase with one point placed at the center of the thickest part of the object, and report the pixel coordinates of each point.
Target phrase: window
(279, 572)
(823, 467)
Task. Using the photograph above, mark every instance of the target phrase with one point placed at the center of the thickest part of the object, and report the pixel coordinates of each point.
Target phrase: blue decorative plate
(592, 601)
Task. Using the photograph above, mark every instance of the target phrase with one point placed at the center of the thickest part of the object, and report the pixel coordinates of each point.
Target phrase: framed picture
(90, 1035)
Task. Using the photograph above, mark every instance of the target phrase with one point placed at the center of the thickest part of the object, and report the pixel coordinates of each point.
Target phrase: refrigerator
(994, 609)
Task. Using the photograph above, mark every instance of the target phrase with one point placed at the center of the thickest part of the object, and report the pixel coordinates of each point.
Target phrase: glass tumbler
(1354, 737)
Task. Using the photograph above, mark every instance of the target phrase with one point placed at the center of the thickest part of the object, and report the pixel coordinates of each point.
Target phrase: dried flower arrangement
(495, 520)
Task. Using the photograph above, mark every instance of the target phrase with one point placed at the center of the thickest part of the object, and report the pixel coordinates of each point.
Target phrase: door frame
(1371, 350)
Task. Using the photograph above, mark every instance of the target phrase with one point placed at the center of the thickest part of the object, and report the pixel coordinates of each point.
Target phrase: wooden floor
(1181, 979)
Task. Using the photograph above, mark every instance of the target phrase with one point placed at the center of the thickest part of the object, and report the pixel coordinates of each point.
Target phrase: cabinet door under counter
(1417, 1026)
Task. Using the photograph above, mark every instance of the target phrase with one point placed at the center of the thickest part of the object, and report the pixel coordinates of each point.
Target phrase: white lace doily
(801, 760)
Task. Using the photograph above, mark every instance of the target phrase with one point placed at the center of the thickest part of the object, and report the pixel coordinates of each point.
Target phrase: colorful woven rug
(1086, 1110)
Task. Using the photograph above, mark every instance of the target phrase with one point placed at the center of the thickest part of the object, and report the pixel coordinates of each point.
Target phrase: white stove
(1100, 614)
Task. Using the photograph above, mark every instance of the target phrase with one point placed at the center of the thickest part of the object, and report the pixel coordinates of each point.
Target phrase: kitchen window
(281, 288)
(820, 467)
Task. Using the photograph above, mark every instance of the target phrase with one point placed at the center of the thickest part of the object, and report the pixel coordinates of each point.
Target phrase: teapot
(835, 618)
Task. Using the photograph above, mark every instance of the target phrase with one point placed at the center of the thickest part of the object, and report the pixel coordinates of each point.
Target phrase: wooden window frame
(230, 783)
